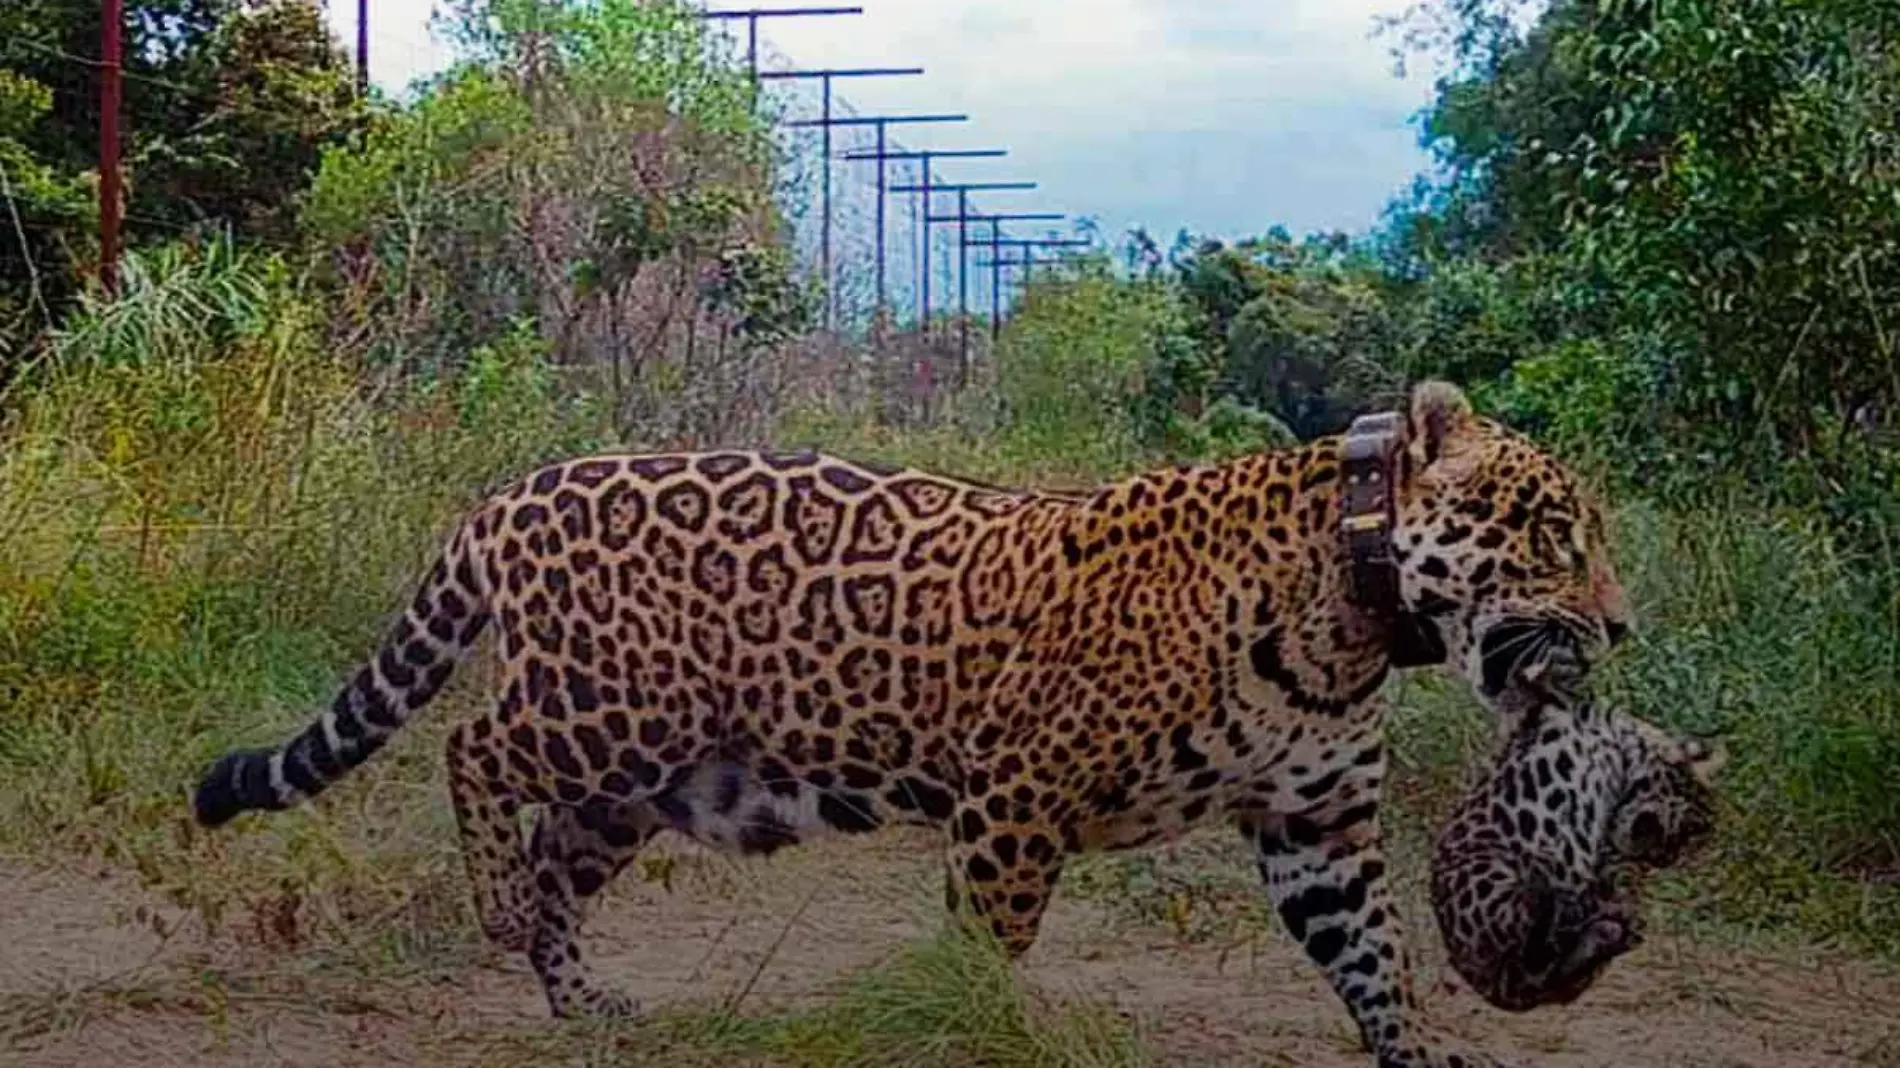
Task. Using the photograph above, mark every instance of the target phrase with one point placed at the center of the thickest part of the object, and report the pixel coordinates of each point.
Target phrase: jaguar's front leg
(1325, 873)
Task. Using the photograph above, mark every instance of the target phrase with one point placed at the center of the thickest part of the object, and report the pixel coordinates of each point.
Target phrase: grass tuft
(952, 1000)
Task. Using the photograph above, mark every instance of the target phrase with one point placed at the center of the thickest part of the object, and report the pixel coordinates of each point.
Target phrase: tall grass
(1764, 630)
(203, 513)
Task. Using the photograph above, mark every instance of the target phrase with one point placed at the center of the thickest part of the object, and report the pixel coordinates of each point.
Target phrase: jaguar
(1536, 873)
(756, 649)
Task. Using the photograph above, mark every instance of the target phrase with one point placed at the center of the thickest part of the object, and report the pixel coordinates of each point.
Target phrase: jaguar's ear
(1438, 418)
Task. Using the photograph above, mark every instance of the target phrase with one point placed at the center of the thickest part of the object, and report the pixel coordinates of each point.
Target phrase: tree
(229, 103)
(39, 206)
(1708, 191)
(594, 172)
(1301, 329)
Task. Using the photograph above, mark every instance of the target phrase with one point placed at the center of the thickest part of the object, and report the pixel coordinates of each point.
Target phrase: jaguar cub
(1535, 876)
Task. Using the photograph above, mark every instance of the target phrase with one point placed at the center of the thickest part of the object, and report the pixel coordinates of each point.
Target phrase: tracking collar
(1368, 458)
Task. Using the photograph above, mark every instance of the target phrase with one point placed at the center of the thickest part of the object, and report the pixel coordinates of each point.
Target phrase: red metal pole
(112, 18)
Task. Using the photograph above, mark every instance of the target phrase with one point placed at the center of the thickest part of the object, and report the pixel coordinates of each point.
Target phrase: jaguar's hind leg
(492, 847)
(577, 851)
(1002, 874)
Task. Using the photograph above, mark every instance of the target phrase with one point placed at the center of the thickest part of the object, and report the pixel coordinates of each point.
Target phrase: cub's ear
(1438, 416)
(1704, 760)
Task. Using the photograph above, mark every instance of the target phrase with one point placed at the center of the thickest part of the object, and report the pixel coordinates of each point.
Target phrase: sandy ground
(88, 979)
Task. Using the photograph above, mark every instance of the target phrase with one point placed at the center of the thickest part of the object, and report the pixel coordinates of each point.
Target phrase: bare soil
(96, 972)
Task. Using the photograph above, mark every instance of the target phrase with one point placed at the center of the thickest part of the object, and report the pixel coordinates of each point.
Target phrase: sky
(1222, 117)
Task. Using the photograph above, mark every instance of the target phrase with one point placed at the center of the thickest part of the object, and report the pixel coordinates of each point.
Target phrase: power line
(203, 94)
(962, 217)
(753, 15)
(883, 156)
(99, 64)
(924, 158)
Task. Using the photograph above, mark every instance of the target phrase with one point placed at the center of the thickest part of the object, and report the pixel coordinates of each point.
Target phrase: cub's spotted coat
(1533, 875)
(752, 649)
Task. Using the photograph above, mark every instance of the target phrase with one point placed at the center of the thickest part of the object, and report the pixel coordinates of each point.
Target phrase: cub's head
(1499, 545)
(1667, 810)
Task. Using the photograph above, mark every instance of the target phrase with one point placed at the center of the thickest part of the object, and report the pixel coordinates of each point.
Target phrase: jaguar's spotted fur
(752, 649)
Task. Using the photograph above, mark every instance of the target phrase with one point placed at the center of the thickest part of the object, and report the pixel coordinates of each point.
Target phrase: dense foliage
(1695, 208)
(1664, 237)
(227, 104)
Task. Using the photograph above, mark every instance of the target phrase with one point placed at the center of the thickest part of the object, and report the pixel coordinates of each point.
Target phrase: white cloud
(1162, 61)
(1225, 117)
(400, 45)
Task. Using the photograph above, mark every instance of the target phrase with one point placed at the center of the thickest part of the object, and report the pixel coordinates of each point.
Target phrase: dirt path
(86, 979)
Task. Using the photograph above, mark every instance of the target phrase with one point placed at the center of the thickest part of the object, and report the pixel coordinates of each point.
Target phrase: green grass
(952, 1000)
(948, 1000)
(1763, 631)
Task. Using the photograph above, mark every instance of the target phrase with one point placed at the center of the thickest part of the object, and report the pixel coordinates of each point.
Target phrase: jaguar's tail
(417, 657)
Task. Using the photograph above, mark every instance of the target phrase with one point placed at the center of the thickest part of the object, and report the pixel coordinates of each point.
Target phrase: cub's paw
(594, 1003)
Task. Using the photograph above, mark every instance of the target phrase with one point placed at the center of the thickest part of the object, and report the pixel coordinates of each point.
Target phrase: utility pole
(825, 122)
(995, 242)
(963, 284)
(927, 187)
(1028, 260)
(962, 219)
(362, 48)
(751, 17)
(924, 159)
(112, 15)
(882, 156)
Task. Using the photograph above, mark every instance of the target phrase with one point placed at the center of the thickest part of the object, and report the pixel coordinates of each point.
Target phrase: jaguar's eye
(1557, 547)
(1580, 540)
